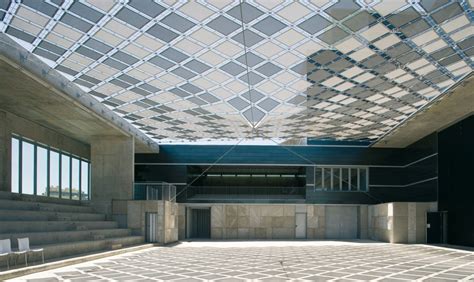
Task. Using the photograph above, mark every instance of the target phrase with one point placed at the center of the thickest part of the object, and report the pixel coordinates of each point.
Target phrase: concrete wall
(315, 221)
(112, 171)
(136, 214)
(400, 222)
(252, 221)
(5, 154)
(12, 124)
(181, 222)
(259, 221)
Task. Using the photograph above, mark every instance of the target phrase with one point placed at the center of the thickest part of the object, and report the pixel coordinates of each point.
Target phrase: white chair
(24, 248)
(6, 250)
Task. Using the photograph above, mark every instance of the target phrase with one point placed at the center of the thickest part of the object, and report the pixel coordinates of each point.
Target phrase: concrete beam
(33, 90)
(452, 108)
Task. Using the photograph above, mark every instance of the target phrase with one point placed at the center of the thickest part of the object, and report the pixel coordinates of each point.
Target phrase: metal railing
(154, 191)
(243, 193)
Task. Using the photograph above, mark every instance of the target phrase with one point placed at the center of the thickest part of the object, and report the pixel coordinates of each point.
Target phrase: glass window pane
(255, 177)
(345, 179)
(354, 182)
(318, 178)
(65, 177)
(84, 180)
(336, 178)
(363, 179)
(327, 178)
(41, 171)
(15, 165)
(75, 179)
(27, 169)
(54, 174)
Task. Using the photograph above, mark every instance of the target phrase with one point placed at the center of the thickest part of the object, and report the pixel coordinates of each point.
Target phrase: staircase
(61, 227)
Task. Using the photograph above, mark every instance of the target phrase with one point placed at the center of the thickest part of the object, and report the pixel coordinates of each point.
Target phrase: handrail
(154, 191)
(250, 186)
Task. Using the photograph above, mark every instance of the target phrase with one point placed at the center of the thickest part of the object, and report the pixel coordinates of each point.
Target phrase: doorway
(300, 227)
(341, 222)
(436, 227)
(200, 223)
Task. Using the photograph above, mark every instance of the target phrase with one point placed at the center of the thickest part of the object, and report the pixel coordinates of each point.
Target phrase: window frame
(330, 187)
(20, 139)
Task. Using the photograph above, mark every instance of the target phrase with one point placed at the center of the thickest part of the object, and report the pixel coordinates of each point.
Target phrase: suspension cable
(212, 165)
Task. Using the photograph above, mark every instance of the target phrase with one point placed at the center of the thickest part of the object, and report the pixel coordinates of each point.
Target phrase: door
(341, 222)
(201, 223)
(300, 228)
(436, 227)
(150, 227)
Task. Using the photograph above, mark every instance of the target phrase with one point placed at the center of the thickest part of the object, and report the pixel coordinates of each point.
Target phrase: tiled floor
(276, 261)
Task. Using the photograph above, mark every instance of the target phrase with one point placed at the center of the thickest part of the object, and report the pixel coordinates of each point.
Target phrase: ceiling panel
(203, 70)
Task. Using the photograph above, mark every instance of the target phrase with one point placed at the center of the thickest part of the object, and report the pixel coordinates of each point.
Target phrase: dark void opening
(243, 184)
(200, 223)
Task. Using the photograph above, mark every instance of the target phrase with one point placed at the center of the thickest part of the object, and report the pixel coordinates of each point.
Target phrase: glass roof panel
(191, 71)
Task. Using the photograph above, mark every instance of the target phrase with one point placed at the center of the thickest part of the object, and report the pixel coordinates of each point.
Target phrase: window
(318, 178)
(40, 170)
(27, 168)
(345, 179)
(363, 182)
(85, 166)
(54, 172)
(15, 165)
(75, 171)
(327, 179)
(354, 182)
(339, 179)
(65, 177)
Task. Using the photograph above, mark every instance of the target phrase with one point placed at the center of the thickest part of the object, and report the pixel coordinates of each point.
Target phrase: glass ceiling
(224, 70)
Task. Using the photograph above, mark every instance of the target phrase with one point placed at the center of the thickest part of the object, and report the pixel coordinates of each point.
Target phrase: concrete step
(28, 215)
(63, 250)
(50, 226)
(43, 238)
(64, 262)
(39, 199)
(52, 251)
(35, 206)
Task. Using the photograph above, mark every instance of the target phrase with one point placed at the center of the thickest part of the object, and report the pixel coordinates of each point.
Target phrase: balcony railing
(243, 194)
(154, 191)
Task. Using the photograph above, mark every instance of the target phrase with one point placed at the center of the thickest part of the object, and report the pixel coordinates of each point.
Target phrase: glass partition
(154, 191)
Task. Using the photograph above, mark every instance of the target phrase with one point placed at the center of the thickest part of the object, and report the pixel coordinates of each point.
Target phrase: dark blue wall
(390, 177)
(456, 188)
(277, 155)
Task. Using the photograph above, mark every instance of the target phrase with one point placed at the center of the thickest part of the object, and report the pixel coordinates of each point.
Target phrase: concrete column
(112, 171)
(5, 153)
(363, 222)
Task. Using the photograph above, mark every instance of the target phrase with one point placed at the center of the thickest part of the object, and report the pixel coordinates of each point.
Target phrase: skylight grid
(345, 70)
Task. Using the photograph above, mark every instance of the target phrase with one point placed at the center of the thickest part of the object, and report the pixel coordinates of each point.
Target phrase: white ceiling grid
(179, 70)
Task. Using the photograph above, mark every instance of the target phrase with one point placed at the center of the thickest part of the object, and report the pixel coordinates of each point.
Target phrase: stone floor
(275, 261)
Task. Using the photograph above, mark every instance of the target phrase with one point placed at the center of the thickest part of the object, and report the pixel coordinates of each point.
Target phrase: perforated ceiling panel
(184, 71)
